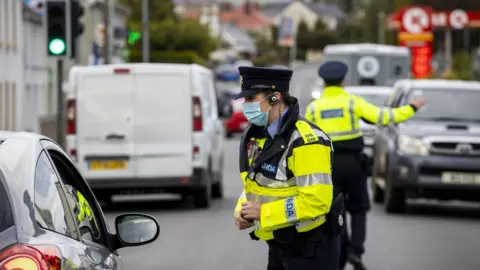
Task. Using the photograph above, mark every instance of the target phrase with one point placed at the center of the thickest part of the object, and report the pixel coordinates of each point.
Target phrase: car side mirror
(136, 230)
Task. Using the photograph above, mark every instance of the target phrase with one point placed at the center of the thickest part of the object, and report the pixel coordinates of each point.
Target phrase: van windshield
(448, 104)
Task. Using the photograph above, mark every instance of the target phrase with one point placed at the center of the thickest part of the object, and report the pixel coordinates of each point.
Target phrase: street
(429, 237)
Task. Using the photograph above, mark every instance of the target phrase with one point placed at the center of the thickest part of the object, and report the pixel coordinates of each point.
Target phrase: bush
(182, 35)
(179, 57)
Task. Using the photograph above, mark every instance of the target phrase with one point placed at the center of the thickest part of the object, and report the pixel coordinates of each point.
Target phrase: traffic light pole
(60, 120)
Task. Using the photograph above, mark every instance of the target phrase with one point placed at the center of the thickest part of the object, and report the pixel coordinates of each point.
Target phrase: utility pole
(106, 32)
(146, 32)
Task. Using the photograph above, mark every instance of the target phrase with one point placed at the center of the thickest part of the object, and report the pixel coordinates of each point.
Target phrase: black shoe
(356, 262)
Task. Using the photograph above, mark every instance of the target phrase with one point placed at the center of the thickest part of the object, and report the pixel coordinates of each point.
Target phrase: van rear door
(162, 129)
(104, 123)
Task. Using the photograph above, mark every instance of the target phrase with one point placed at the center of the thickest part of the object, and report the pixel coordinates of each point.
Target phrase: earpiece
(273, 100)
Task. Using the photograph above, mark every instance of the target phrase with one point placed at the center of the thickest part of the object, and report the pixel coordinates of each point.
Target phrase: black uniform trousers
(349, 176)
(321, 251)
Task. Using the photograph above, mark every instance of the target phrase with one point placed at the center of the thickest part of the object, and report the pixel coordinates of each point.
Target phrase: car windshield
(448, 104)
(375, 99)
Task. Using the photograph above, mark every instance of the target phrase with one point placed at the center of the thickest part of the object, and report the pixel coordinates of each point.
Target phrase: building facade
(25, 94)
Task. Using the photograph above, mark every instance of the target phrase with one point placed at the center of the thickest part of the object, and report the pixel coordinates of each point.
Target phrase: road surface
(429, 237)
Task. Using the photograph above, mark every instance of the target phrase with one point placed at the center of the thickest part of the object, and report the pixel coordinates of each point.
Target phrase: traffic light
(55, 14)
(76, 25)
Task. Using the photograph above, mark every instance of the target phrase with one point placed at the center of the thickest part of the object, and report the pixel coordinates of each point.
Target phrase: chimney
(247, 7)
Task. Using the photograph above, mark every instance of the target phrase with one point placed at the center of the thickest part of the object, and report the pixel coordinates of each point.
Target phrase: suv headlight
(411, 145)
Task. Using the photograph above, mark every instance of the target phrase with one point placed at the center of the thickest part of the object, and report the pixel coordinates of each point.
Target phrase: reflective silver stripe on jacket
(312, 112)
(390, 115)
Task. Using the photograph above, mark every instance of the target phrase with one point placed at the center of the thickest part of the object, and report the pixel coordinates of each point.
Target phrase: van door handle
(115, 137)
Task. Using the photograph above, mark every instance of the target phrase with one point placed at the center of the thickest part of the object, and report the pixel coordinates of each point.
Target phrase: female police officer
(285, 165)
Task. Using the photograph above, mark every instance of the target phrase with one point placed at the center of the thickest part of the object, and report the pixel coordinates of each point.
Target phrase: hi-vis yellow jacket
(338, 113)
(291, 176)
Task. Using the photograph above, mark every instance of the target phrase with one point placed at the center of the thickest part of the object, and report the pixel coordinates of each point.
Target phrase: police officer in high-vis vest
(338, 114)
(285, 166)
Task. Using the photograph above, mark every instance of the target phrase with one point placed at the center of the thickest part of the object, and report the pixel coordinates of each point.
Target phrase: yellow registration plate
(108, 165)
(461, 178)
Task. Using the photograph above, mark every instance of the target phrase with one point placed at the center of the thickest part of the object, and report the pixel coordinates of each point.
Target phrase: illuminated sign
(421, 61)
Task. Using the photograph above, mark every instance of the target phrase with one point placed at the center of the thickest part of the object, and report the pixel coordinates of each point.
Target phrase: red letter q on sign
(415, 20)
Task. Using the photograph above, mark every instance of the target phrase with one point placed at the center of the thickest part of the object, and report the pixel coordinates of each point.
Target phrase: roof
(438, 83)
(242, 20)
(273, 9)
(365, 48)
(5, 134)
(369, 90)
(323, 9)
(239, 37)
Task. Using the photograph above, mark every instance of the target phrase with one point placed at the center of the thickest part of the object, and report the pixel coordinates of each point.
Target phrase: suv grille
(455, 148)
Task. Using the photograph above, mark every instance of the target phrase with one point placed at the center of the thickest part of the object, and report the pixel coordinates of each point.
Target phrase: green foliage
(169, 33)
(320, 25)
(159, 10)
(181, 57)
(315, 39)
(462, 63)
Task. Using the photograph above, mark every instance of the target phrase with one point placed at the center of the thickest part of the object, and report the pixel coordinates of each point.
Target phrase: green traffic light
(133, 36)
(57, 46)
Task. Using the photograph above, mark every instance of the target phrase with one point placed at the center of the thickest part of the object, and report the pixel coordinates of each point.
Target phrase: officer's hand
(240, 222)
(419, 102)
(251, 210)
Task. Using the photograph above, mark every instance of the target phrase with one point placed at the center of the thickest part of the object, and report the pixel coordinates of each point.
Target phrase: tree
(169, 33)
(320, 25)
(181, 35)
(159, 10)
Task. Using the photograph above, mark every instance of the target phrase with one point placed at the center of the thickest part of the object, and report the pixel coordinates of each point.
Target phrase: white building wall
(22, 69)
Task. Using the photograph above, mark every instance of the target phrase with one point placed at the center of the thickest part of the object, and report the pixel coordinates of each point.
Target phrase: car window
(50, 213)
(80, 200)
(6, 215)
(462, 104)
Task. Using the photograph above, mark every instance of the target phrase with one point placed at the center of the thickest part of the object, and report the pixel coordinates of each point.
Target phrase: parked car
(436, 154)
(50, 218)
(238, 122)
(147, 128)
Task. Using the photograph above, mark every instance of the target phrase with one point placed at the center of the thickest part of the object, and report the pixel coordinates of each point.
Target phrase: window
(6, 25)
(463, 104)
(14, 24)
(49, 211)
(6, 215)
(207, 102)
(79, 199)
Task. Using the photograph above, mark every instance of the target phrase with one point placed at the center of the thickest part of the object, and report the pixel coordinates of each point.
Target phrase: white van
(147, 128)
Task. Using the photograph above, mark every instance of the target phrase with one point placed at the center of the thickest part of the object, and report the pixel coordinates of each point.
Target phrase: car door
(93, 238)
(383, 133)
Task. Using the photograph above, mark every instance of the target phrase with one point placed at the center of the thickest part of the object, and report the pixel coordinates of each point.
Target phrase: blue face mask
(254, 114)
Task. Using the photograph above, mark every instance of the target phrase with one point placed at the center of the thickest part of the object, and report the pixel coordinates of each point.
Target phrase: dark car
(434, 155)
(49, 217)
